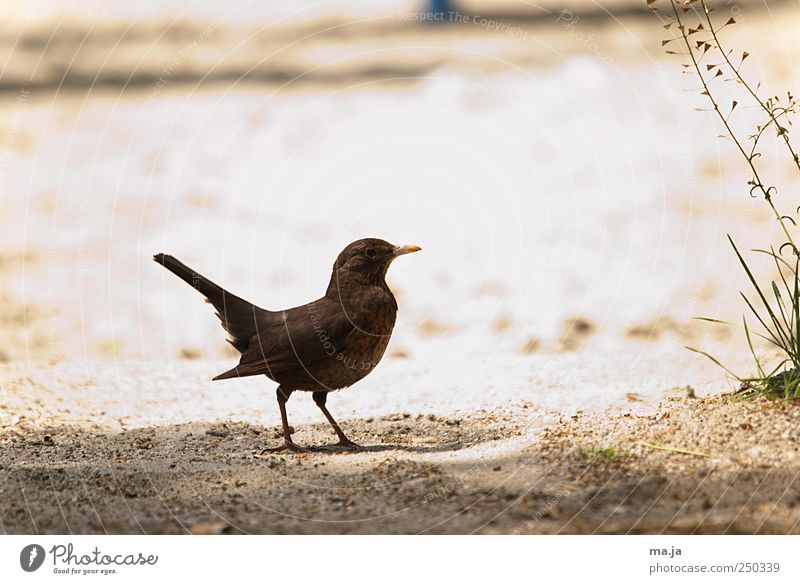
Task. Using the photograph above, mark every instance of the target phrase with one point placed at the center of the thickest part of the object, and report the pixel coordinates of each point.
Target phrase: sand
(485, 472)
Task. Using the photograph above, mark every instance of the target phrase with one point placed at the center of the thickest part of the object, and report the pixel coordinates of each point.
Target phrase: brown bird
(322, 346)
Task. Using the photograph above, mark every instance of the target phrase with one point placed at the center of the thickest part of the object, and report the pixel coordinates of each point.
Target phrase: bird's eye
(371, 253)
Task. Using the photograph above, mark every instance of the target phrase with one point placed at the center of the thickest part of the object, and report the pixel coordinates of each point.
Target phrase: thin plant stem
(758, 183)
(770, 112)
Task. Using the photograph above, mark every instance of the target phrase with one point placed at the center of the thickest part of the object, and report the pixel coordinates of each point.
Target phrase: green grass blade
(761, 295)
(713, 320)
(782, 309)
(796, 316)
(704, 354)
(752, 350)
(778, 342)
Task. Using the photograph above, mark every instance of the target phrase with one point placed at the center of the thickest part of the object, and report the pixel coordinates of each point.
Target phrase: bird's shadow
(336, 449)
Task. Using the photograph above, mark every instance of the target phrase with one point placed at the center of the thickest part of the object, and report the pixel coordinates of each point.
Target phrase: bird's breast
(374, 320)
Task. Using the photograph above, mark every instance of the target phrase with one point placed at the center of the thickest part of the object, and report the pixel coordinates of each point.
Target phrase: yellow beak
(404, 249)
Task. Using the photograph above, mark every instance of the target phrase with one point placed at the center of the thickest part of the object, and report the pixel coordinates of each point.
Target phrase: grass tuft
(608, 453)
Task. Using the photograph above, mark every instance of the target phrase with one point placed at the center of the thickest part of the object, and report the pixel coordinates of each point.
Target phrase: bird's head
(367, 260)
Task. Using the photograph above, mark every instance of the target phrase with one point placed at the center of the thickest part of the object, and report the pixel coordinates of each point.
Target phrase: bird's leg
(320, 397)
(283, 396)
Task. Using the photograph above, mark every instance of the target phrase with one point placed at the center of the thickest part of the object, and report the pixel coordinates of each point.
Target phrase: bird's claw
(292, 447)
(286, 447)
(347, 443)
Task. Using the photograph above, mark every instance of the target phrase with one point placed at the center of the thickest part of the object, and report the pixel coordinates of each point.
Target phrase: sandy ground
(88, 451)
(485, 472)
(573, 209)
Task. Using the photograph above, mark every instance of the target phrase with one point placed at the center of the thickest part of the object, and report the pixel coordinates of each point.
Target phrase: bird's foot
(345, 442)
(286, 447)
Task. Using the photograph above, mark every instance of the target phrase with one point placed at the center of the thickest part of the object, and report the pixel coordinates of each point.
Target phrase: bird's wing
(297, 339)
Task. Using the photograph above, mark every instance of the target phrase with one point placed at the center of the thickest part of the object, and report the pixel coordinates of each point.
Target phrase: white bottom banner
(355, 559)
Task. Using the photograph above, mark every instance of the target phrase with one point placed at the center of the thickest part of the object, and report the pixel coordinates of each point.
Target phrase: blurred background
(571, 204)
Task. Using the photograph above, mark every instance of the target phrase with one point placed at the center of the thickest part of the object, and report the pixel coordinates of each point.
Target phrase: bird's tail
(206, 287)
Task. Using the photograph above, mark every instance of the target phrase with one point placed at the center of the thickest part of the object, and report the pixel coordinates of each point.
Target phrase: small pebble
(218, 432)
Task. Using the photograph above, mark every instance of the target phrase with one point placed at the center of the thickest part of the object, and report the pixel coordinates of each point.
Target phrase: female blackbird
(322, 346)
